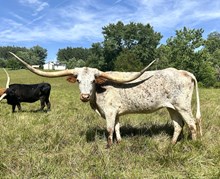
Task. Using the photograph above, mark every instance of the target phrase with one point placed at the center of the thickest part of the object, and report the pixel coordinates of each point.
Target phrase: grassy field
(69, 141)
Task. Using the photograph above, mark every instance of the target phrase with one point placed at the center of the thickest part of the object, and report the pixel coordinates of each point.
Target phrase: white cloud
(84, 20)
(37, 5)
(41, 6)
(166, 15)
(18, 17)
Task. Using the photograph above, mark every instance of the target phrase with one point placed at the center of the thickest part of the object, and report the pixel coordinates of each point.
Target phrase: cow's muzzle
(84, 97)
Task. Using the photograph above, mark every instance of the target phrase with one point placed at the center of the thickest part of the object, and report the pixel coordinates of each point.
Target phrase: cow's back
(151, 91)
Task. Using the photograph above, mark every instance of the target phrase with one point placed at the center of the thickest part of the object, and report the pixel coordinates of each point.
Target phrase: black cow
(17, 93)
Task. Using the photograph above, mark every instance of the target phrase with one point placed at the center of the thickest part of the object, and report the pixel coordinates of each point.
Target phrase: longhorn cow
(17, 93)
(113, 94)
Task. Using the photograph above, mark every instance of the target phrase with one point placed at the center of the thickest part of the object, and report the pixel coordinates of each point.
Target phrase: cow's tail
(198, 112)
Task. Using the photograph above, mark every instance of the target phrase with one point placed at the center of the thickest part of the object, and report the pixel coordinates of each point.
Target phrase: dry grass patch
(69, 141)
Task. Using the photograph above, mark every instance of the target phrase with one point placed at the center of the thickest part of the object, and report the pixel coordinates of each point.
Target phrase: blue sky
(57, 24)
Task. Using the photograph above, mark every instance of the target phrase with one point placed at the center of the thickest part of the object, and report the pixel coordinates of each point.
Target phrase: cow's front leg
(110, 120)
(117, 130)
(13, 107)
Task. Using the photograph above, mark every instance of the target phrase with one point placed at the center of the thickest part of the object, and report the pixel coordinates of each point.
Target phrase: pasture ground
(69, 141)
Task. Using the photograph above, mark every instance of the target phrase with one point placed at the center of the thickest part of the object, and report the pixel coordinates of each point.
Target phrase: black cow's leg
(42, 103)
(48, 104)
(13, 107)
(19, 106)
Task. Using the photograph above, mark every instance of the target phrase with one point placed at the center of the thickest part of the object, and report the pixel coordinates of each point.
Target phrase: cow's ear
(71, 79)
(100, 80)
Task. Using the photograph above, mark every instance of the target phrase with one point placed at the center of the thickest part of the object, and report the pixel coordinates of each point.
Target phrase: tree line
(34, 56)
(130, 47)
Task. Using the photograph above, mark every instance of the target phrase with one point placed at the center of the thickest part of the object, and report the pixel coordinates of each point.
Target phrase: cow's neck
(93, 99)
(93, 102)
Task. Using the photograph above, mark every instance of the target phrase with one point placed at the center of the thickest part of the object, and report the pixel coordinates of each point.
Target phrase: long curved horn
(125, 80)
(72, 71)
(8, 79)
(43, 73)
(2, 96)
(7, 86)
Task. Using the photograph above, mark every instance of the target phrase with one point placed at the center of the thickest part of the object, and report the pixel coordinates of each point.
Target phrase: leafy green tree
(212, 46)
(96, 57)
(213, 42)
(139, 39)
(215, 57)
(216, 62)
(207, 74)
(163, 54)
(127, 60)
(96, 61)
(27, 56)
(64, 55)
(5, 49)
(34, 56)
(217, 68)
(2, 63)
(73, 63)
(13, 64)
(38, 54)
(185, 49)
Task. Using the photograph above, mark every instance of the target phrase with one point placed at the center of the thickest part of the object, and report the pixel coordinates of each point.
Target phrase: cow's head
(86, 77)
(3, 90)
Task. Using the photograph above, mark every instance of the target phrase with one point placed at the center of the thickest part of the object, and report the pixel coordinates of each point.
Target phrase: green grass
(69, 141)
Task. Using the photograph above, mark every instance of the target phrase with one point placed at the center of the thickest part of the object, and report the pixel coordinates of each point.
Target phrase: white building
(35, 66)
(48, 66)
(59, 66)
(54, 66)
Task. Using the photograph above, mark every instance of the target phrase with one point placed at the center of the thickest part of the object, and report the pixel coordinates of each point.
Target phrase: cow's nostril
(85, 97)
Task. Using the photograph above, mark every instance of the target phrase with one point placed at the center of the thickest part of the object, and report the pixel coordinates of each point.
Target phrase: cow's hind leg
(190, 121)
(42, 103)
(199, 127)
(117, 130)
(178, 124)
(48, 103)
(19, 106)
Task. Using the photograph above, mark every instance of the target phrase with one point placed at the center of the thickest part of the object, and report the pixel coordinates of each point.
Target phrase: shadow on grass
(32, 111)
(130, 131)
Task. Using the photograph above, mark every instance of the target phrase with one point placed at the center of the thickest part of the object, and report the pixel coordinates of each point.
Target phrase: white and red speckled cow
(113, 94)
